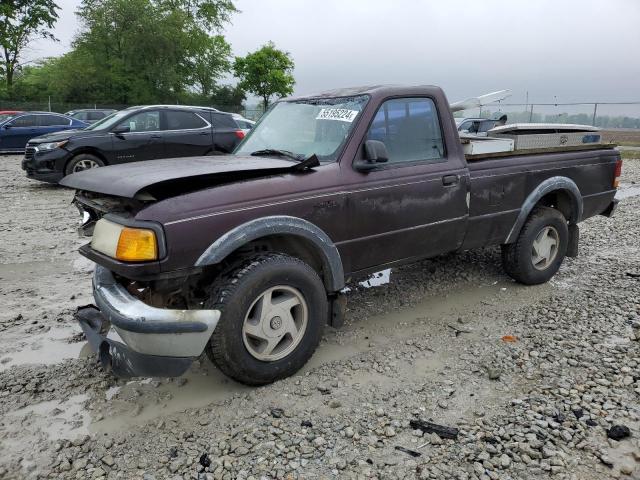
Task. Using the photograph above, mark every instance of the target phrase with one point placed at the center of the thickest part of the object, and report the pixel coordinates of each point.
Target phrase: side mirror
(7, 126)
(120, 129)
(375, 152)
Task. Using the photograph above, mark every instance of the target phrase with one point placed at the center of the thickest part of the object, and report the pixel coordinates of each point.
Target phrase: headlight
(43, 147)
(128, 244)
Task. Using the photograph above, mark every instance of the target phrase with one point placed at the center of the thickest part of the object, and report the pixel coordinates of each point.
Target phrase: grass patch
(629, 155)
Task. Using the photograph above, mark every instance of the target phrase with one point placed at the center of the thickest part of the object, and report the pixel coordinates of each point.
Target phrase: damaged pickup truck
(244, 256)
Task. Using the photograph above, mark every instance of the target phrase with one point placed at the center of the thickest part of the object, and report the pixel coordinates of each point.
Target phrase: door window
(143, 122)
(224, 120)
(410, 130)
(177, 120)
(24, 121)
(52, 121)
(94, 115)
(465, 125)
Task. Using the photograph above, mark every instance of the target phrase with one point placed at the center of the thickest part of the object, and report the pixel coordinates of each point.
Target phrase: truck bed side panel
(499, 188)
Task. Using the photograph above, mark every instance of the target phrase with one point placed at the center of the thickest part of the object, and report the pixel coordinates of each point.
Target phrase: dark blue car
(17, 130)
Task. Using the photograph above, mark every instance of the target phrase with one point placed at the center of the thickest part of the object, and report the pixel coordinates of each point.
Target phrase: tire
(545, 226)
(242, 294)
(75, 164)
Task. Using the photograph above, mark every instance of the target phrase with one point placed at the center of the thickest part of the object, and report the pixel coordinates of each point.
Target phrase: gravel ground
(535, 379)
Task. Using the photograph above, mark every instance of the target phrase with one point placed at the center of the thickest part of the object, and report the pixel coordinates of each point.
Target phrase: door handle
(450, 180)
(156, 136)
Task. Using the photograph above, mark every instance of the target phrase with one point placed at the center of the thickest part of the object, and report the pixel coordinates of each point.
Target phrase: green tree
(267, 72)
(228, 98)
(146, 51)
(22, 21)
(211, 63)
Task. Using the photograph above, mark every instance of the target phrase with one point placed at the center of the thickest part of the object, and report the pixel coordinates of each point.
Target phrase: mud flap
(337, 310)
(574, 238)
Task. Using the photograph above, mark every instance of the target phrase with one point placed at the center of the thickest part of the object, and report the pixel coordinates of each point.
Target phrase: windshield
(317, 126)
(107, 122)
(6, 116)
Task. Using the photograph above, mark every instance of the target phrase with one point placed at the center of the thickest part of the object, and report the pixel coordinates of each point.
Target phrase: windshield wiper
(275, 151)
(302, 163)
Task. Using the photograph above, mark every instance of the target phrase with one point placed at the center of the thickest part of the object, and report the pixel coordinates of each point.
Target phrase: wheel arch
(558, 192)
(89, 150)
(285, 234)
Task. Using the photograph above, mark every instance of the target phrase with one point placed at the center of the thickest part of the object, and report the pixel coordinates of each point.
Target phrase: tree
(148, 51)
(265, 73)
(211, 63)
(228, 98)
(22, 21)
(138, 52)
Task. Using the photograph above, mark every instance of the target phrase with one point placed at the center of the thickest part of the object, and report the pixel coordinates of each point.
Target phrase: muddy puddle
(55, 419)
(122, 404)
(627, 191)
(47, 347)
(140, 401)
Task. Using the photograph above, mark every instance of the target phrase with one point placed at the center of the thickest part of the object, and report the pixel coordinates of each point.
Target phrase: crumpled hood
(176, 174)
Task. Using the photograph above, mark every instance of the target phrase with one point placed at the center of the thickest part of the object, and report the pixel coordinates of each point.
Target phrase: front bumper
(45, 166)
(159, 342)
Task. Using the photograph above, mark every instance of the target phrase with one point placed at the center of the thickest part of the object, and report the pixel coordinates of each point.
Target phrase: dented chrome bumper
(159, 342)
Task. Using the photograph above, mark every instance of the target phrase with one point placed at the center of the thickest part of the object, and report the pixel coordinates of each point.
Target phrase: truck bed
(501, 182)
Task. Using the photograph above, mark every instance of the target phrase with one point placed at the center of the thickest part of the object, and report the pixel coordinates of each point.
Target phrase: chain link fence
(599, 114)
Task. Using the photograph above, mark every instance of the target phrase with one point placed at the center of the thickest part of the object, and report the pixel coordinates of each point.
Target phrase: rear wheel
(540, 248)
(273, 310)
(82, 161)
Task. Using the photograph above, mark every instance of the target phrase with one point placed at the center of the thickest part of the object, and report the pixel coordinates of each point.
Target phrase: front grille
(29, 153)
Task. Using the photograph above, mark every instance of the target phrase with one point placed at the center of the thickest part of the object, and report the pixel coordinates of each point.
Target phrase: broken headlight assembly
(124, 243)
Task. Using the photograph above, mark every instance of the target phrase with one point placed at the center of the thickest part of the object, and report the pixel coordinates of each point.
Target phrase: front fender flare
(280, 225)
(549, 185)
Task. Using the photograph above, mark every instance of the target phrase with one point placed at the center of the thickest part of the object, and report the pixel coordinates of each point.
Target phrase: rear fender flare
(549, 185)
(280, 225)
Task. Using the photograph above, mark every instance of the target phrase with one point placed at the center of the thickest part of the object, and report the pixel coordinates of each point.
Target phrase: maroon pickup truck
(245, 256)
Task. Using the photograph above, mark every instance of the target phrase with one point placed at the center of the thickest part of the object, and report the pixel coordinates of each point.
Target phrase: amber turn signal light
(137, 245)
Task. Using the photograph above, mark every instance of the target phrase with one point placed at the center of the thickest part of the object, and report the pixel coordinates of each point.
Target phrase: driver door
(413, 206)
(143, 141)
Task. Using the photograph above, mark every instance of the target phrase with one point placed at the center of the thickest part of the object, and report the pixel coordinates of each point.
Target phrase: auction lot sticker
(342, 114)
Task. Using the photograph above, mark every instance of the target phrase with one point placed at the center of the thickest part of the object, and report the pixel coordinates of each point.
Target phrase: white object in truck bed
(546, 135)
(472, 145)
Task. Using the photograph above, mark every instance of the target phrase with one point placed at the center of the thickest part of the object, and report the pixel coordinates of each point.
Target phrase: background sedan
(17, 130)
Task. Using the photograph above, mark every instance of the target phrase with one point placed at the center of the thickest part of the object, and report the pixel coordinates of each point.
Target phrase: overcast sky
(575, 50)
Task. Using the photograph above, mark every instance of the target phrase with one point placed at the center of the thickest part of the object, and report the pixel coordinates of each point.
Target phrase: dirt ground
(533, 377)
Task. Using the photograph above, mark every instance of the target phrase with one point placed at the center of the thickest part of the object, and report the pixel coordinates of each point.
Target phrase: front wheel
(540, 248)
(273, 310)
(81, 162)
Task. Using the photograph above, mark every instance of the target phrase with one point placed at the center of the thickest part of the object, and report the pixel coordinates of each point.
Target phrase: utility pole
(531, 114)
(595, 111)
